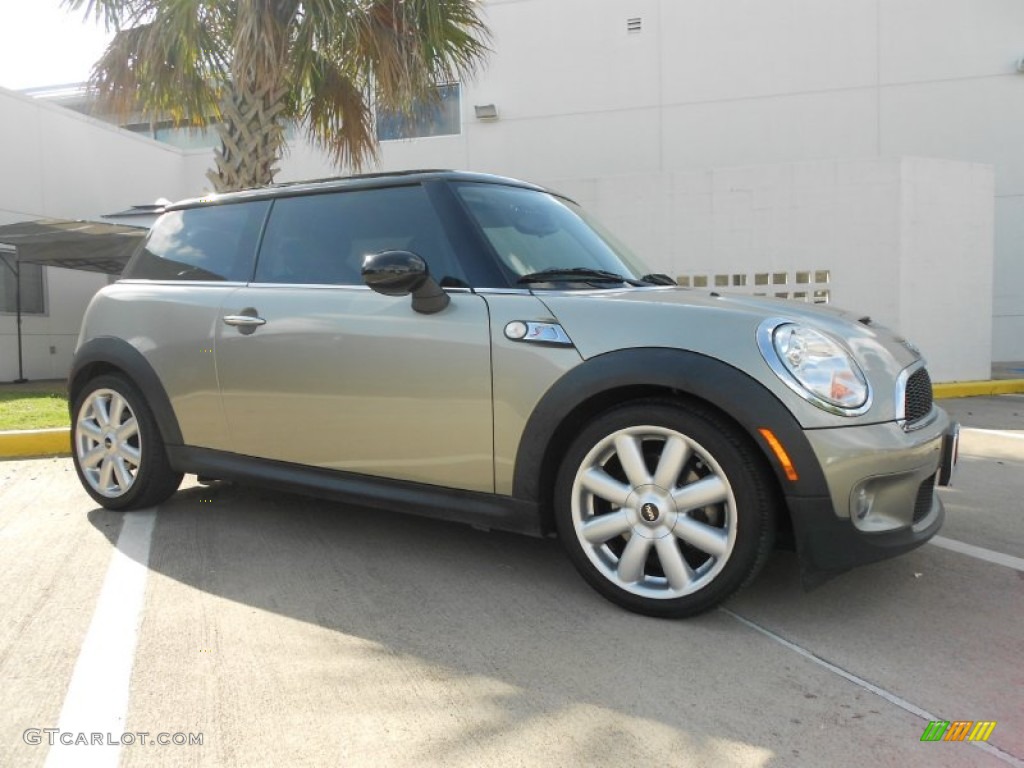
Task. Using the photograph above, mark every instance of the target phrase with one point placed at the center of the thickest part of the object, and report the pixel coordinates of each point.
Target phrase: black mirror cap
(394, 273)
(399, 273)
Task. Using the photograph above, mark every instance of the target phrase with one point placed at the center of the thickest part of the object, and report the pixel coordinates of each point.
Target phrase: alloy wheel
(107, 443)
(654, 512)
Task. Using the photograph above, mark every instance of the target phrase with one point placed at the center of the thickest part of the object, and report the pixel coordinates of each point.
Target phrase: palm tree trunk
(252, 139)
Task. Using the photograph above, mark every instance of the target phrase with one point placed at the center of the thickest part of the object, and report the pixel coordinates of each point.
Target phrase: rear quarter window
(216, 242)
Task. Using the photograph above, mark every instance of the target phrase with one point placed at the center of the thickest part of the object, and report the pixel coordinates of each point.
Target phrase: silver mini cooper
(477, 349)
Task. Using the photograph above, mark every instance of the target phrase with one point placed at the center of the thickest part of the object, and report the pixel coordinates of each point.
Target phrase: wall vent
(635, 24)
(812, 286)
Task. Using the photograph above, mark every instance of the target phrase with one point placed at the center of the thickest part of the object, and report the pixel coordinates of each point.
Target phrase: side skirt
(485, 510)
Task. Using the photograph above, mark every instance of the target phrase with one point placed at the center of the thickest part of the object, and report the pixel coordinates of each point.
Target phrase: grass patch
(33, 410)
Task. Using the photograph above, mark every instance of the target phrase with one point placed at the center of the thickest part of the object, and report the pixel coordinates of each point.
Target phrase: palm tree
(248, 67)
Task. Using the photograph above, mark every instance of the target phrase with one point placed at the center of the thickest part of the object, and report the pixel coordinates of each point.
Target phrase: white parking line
(97, 697)
(979, 552)
(892, 698)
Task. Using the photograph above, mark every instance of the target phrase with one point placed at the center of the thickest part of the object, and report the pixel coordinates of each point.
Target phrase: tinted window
(216, 242)
(324, 238)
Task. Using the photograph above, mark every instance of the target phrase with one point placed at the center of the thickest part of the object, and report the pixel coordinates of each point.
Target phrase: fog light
(862, 501)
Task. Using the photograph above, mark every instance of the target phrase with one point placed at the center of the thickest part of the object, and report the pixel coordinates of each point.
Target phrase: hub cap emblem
(649, 512)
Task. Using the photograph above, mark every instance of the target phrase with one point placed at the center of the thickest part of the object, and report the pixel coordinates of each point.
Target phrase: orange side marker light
(780, 454)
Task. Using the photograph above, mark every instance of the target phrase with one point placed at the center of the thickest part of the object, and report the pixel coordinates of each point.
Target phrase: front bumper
(882, 500)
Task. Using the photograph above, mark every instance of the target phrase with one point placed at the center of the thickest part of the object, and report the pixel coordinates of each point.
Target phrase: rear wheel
(666, 510)
(117, 448)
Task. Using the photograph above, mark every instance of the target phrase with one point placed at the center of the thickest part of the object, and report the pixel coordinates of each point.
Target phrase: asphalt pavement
(281, 630)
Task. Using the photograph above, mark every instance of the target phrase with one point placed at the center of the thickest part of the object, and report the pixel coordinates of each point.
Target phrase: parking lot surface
(282, 630)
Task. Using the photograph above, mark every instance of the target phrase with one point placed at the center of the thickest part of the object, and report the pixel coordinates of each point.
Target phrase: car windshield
(543, 239)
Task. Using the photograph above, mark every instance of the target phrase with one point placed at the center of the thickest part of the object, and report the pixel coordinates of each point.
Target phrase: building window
(182, 137)
(427, 118)
(33, 288)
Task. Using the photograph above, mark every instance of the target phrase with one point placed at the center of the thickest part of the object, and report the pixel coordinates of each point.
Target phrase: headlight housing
(815, 366)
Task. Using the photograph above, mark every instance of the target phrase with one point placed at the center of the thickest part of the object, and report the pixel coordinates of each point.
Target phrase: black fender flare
(109, 351)
(730, 390)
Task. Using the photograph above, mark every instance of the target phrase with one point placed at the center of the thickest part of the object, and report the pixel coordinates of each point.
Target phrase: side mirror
(399, 273)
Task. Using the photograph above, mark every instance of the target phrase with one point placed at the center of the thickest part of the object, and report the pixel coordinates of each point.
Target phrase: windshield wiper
(575, 274)
(657, 278)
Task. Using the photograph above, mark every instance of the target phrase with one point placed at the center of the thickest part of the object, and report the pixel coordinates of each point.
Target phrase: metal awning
(88, 245)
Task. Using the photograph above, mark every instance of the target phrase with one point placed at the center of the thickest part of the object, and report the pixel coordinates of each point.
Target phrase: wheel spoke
(91, 429)
(707, 490)
(677, 571)
(603, 485)
(129, 429)
(106, 470)
(124, 479)
(704, 537)
(631, 564)
(99, 407)
(129, 453)
(674, 456)
(632, 459)
(116, 407)
(599, 529)
(93, 457)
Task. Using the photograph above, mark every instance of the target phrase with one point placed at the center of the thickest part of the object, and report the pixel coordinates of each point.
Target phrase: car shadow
(488, 604)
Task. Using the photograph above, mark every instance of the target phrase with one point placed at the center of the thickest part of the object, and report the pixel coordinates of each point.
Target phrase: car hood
(723, 326)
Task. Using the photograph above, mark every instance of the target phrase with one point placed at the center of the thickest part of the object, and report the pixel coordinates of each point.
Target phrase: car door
(168, 305)
(316, 369)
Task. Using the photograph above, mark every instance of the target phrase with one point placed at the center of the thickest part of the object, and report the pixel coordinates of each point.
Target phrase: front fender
(594, 384)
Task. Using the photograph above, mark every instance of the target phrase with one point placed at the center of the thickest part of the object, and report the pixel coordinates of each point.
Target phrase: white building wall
(945, 280)
(907, 242)
(706, 86)
(724, 83)
(59, 164)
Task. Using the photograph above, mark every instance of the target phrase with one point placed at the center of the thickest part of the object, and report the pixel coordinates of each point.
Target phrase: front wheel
(664, 509)
(117, 448)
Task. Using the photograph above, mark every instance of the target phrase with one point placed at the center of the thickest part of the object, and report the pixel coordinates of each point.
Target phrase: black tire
(145, 477)
(722, 467)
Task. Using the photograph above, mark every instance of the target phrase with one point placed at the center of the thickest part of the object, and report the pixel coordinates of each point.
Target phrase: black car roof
(362, 181)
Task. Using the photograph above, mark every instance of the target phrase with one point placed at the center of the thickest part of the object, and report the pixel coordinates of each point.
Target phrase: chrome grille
(917, 400)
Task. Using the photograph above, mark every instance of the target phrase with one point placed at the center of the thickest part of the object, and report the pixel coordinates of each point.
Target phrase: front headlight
(815, 366)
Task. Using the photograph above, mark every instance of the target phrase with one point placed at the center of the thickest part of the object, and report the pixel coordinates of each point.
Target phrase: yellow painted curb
(26, 443)
(978, 388)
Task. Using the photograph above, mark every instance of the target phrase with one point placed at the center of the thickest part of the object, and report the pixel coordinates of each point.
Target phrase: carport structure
(86, 245)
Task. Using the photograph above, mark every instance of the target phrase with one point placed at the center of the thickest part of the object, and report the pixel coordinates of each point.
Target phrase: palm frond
(337, 114)
(453, 38)
(114, 14)
(403, 47)
(172, 67)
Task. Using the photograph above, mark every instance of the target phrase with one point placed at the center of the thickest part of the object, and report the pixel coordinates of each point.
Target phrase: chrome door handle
(244, 321)
(247, 321)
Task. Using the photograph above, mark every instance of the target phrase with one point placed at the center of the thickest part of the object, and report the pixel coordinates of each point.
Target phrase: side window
(216, 242)
(33, 287)
(323, 239)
